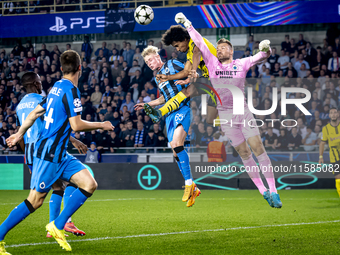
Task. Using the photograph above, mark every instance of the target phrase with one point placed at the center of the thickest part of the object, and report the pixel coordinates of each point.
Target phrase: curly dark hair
(175, 34)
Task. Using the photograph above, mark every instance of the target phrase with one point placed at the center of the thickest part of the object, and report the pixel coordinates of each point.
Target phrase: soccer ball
(144, 14)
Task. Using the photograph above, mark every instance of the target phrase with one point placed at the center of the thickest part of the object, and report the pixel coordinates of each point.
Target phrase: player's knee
(36, 201)
(244, 153)
(92, 186)
(259, 150)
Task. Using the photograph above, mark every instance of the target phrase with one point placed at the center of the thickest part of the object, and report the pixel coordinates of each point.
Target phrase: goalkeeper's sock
(254, 173)
(337, 185)
(267, 170)
(173, 103)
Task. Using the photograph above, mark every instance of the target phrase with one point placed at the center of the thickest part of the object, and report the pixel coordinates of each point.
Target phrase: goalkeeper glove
(180, 18)
(264, 46)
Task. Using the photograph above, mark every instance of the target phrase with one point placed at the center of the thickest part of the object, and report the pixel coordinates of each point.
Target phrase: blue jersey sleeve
(43, 103)
(178, 66)
(72, 103)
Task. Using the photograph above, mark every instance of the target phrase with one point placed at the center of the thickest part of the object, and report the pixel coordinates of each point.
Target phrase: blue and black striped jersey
(24, 108)
(169, 89)
(62, 103)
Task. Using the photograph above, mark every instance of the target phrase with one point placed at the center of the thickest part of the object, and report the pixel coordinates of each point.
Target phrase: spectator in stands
(208, 136)
(151, 89)
(302, 73)
(132, 72)
(138, 57)
(246, 53)
(130, 105)
(96, 97)
(276, 70)
(309, 140)
(311, 52)
(294, 140)
(250, 43)
(134, 91)
(104, 49)
(127, 137)
(270, 139)
(292, 47)
(334, 63)
(140, 135)
(114, 56)
(162, 52)
(93, 155)
(283, 60)
(301, 44)
(115, 69)
(104, 73)
(151, 139)
(161, 139)
(285, 44)
(301, 61)
(128, 54)
(87, 48)
(113, 141)
(273, 58)
(42, 58)
(200, 134)
(282, 140)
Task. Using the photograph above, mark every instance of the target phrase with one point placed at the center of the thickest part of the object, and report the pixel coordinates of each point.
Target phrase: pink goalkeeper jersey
(222, 74)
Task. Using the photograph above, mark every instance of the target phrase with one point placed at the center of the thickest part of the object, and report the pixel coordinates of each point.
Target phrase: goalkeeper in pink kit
(224, 70)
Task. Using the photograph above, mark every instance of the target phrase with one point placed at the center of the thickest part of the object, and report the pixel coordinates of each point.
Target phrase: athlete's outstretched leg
(86, 186)
(266, 167)
(250, 165)
(34, 201)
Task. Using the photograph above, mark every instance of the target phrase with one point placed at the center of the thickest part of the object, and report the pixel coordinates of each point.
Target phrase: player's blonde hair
(150, 50)
(223, 40)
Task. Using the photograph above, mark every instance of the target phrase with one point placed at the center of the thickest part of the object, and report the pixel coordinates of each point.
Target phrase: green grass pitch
(158, 222)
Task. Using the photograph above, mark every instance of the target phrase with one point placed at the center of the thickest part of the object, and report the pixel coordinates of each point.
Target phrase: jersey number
(48, 117)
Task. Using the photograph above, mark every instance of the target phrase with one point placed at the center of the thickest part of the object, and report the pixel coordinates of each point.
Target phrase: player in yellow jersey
(331, 134)
(178, 37)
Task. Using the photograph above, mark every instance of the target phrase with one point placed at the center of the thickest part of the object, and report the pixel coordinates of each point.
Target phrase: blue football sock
(184, 161)
(55, 204)
(17, 215)
(179, 165)
(78, 198)
(68, 192)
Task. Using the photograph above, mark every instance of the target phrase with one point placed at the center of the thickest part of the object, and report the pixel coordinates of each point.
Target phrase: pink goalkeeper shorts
(238, 128)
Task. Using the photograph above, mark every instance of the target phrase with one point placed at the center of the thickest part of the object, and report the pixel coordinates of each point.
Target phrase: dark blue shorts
(179, 117)
(45, 173)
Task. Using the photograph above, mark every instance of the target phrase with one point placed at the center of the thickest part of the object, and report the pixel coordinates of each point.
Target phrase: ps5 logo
(59, 23)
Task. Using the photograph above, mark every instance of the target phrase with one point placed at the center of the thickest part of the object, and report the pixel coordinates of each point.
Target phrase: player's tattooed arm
(77, 124)
(15, 138)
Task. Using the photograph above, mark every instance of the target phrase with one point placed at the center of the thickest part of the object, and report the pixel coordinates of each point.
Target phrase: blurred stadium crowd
(113, 80)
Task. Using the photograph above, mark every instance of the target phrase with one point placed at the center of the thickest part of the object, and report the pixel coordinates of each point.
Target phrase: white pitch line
(177, 233)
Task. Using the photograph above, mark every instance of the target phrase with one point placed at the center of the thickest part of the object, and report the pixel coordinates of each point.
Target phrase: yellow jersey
(201, 65)
(331, 135)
